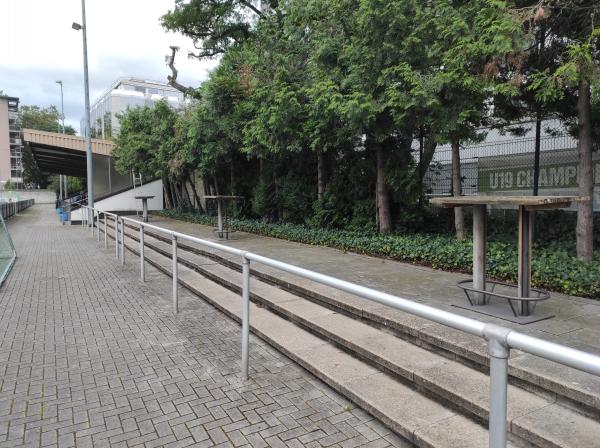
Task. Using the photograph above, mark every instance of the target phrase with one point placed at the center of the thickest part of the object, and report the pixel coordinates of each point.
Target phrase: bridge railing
(500, 340)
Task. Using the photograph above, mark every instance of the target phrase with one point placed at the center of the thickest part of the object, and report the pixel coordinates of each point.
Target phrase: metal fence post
(105, 232)
(91, 221)
(175, 280)
(116, 236)
(98, 225)
(122, 241)
(499, 352)
(245, 315)
(142, 260)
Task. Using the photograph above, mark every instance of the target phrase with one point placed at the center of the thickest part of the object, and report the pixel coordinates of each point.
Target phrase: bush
(553, 268)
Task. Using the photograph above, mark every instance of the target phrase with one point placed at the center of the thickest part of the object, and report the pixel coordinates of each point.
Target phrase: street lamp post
(88, 126)
(63, 191)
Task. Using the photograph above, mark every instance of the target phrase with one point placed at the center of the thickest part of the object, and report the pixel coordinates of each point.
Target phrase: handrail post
(98, 224)
(116, 236)
(175, 279)
(105, 232)
(122, 241)
(91, 220)
(142, 260)
(245, 314)
(499, 352)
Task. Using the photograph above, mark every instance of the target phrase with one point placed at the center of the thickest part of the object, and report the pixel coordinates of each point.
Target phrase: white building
(127, 93)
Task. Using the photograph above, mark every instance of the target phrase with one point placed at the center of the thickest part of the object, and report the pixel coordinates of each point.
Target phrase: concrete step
(410, 414)
(449, 382)
(575, 389)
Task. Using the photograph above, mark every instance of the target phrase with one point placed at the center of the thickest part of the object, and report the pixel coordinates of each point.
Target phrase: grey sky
(38, 47)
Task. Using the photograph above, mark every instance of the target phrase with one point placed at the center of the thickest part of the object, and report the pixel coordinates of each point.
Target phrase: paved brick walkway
(89, 356)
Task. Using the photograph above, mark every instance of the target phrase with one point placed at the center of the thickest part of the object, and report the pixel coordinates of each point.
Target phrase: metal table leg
(145, 210)
(525, 229)
(219, 219)
(479, 248)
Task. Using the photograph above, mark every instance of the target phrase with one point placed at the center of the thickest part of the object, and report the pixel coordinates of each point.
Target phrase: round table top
(144, 197)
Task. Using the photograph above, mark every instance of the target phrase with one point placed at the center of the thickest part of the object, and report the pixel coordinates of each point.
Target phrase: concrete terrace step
(574, 388)
(456, 386)
(410, 414)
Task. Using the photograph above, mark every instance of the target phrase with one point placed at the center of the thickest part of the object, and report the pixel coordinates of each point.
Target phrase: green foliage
(8, 185)
(74, 184)
(42, 119)
(553, 268)
(32, 175)
(144, 143)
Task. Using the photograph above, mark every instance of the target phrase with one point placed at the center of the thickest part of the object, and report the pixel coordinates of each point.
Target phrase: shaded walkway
(90, 356)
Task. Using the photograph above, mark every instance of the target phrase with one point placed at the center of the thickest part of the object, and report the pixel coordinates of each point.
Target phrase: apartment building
(10, 142)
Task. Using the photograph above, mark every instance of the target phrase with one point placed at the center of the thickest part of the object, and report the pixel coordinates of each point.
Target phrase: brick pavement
(89, 356)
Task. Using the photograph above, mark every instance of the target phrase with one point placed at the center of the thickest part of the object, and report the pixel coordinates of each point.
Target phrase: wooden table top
(532, 202)
(223, 197)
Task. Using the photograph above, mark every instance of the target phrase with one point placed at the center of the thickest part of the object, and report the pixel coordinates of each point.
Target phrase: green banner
(552, 176)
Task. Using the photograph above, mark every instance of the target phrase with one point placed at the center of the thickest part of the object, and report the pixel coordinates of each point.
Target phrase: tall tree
(42, 119)
(575, 40)
(214, 26)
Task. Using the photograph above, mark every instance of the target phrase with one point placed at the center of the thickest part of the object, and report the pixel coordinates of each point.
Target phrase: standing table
(144, 206)
(222, 229)
(525, 204)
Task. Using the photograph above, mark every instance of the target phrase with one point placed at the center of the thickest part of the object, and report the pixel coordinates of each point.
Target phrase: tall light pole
(62, 115)
(88, 125)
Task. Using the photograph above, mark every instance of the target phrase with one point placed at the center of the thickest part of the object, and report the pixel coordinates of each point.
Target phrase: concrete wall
(40, 196)
(126, 202)
(4, 142)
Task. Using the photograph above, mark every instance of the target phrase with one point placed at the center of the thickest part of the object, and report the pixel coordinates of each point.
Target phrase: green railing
(8, 254)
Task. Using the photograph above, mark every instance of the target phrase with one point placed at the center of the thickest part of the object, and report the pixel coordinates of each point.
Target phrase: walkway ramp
(92, 357)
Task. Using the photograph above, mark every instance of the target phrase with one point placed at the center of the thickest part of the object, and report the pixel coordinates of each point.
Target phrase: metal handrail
(500, 339)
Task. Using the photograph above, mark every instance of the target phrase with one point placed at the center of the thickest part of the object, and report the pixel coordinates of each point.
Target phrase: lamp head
(76, 26)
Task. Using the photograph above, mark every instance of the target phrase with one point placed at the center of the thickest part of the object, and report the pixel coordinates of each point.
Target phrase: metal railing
(500, 340)
(9, 209)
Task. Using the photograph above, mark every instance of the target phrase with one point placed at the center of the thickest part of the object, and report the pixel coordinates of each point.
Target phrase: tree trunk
(192, 181)
(383, 196)
(175, 195)
(187, 195)
(167, 190)
(459, 215)
(585, 218)
(320, 175)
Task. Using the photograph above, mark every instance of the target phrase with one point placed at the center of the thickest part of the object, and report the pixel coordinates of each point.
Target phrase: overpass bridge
(57, 153)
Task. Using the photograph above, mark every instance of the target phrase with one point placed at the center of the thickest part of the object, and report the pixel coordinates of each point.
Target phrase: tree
(575, 39)
(32, 175)
(42, 119)
(469, 39)
(214, 26)
(148, 144)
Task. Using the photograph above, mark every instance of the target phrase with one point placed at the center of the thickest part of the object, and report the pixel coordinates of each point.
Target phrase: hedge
(553, 267)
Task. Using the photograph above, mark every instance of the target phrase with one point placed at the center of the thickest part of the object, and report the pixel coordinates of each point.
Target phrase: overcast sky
(39, 47)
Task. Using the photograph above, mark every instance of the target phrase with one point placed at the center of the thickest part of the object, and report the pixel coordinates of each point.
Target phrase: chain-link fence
(503, 164)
